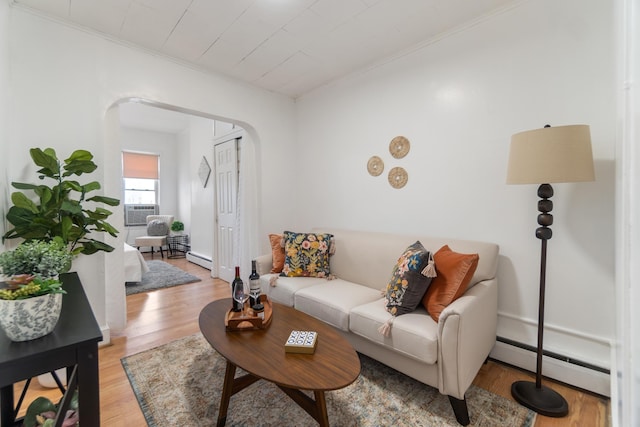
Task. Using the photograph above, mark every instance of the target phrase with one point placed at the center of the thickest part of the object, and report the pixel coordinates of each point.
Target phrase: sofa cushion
(306, 254)
(157, 227)
(277, 252)
(285, 287)
(414, 334)
(455, 271)
(409, 281)
(333, 300)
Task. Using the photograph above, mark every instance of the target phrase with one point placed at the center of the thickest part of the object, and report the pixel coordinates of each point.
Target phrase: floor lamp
(545, 156)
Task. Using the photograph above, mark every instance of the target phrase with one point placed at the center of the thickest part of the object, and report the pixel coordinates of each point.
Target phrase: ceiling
(285, 46)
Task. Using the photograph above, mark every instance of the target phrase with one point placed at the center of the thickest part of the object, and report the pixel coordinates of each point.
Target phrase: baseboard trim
(553, 355)
(555, 366)
(200, 260)
(106, 336)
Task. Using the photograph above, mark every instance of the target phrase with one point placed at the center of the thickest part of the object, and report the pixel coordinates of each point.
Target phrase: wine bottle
(254, 285)
(237, 282)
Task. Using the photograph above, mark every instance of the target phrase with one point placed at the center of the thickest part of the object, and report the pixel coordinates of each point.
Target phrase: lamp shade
(551, 154)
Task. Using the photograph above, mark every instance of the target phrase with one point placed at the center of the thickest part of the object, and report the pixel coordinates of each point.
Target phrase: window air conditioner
(137, 214)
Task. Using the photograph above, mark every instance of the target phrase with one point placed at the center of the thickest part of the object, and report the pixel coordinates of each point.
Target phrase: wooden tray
(234, 321)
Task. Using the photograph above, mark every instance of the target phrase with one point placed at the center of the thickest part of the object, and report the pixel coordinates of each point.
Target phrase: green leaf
(51, 152)
(104, 199)
(98, 214)
(18, 215)
(79, 155)
(92, 186)
(47, 160)
(38, 406)
(103, 226)
(92, 246)
(78, 167)
(65, 229)
(73, 185)
(22, 201)
(24, 186)
(71, 206)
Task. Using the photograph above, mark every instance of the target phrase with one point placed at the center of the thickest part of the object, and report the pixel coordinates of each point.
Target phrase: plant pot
(47, 381)
(31, 318)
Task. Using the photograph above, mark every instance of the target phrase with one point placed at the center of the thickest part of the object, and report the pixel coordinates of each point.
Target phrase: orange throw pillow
(277, 252)
(454, 271)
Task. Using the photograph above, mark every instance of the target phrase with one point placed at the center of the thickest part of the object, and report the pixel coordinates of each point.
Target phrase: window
(140, 178)
(140, 191)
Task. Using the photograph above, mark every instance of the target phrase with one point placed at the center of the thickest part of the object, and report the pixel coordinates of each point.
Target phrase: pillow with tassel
(409, 282)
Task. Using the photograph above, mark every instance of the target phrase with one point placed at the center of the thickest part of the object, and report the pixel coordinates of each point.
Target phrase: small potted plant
(42, 412)
(177, 227)
(31, 296)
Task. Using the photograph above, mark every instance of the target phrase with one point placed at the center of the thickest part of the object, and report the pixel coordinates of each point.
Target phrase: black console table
(72, 344)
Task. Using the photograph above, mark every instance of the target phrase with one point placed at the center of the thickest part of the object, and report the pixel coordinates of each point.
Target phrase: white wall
(64, 81)
(183, 211)
(458, 100)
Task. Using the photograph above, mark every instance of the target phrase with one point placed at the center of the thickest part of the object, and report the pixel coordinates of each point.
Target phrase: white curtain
(248, 217)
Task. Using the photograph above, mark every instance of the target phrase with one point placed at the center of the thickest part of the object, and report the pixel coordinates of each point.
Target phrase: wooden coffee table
(334, 365)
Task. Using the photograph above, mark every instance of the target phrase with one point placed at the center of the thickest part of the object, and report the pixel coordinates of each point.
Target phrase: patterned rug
(179, 384)
(160, 275)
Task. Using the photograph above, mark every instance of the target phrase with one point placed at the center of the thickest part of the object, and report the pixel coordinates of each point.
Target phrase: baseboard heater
(553, 355)
(200, 260)
(564, 369)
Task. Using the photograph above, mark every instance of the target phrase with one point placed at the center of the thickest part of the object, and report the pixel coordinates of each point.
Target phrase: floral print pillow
(306, 254)
(410, 279)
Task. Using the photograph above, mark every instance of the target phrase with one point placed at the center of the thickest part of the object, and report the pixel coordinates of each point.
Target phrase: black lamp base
(544, 400)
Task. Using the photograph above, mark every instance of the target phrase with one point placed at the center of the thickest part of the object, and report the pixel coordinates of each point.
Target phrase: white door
(226, 170)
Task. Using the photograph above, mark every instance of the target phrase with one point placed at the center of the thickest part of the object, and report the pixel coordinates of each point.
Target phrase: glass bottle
(237, 282)
(254, 285)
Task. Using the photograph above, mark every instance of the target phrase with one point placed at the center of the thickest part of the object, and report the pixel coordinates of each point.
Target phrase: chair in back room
(158, 228)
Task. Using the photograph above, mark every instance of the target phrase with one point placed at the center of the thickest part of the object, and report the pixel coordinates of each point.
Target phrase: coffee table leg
(227, 392)
(316, 408)
(321, 405)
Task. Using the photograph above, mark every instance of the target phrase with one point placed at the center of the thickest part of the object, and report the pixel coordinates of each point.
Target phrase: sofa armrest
(466, 334)
(264, 264)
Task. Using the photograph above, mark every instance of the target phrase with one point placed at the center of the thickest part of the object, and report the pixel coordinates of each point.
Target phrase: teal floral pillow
(410, 280)
(306, 254)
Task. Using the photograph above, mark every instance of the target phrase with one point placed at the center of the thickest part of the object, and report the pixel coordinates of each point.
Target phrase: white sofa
(446, 355)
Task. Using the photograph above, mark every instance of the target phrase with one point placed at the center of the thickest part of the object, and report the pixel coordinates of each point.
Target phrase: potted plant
(177, 227)
(42, 412)
(60, 210)
(31, 299)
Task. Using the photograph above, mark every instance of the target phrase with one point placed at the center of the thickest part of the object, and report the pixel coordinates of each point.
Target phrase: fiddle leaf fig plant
(60, 210)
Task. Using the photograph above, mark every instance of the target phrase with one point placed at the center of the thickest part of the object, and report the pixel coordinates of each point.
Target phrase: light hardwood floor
(158, 317)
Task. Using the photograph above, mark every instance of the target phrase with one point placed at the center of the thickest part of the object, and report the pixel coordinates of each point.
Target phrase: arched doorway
(195, 202)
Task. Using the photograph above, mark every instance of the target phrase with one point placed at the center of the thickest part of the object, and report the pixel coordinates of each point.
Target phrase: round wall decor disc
(375, 166)
(399, 147)
(398, 177)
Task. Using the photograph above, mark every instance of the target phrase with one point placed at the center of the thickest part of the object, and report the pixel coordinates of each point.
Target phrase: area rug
(179, 384)
(160, 275)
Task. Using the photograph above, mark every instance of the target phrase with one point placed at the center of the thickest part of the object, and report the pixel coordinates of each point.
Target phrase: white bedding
(134, 264)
